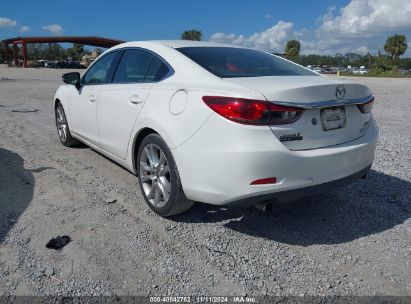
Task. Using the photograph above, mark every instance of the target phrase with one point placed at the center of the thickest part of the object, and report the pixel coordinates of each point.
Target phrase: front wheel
(63, 127)
(159, 179)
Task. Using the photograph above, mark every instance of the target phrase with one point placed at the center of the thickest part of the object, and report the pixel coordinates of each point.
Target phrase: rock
(48, 270)
(110, 201)
(58, 242)
(37, 274)
(328, 286)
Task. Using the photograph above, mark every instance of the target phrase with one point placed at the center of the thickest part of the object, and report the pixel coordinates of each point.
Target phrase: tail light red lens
(366, 107)
(264, 181)
(252, 112)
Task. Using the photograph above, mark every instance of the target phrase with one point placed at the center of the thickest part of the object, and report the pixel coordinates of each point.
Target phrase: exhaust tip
(264, 207)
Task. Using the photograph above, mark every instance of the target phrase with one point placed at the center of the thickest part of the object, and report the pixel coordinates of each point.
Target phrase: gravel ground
(353, 241)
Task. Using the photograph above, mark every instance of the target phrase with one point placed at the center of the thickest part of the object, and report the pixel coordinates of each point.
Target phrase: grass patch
(394, 73)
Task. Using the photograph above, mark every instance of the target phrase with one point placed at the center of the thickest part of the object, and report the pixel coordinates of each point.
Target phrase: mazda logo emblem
(340, 92)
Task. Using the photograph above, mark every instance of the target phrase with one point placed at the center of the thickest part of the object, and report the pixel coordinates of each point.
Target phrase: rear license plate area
(333, 118)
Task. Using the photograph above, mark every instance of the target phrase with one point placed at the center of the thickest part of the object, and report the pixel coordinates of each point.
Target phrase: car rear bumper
(295, 194)
(219, 162)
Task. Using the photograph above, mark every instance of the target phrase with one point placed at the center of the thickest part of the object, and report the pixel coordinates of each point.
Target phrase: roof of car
(189, 43)
(178, 43)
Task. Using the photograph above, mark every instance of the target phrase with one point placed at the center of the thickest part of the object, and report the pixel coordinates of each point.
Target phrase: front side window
(229, 62)
(99, 73)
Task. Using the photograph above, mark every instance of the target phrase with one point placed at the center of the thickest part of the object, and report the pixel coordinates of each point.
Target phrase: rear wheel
(63, 127)
(159, 179)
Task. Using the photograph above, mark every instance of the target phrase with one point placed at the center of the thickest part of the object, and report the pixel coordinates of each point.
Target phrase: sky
(322, 26)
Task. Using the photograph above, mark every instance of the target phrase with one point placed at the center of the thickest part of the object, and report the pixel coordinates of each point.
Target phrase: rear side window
(157, 71)
(133, 67)
(99, 73)
(228, 62)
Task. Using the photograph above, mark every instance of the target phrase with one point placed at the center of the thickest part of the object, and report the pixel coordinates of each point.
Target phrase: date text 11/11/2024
(202, 299)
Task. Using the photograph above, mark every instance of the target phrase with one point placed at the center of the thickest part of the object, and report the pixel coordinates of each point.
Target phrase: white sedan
(218, 124)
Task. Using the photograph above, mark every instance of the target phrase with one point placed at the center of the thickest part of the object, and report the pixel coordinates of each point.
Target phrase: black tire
(61, 122)
(177, 202)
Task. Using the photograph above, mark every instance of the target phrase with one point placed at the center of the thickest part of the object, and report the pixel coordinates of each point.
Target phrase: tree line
(50, 51)
(394, 48)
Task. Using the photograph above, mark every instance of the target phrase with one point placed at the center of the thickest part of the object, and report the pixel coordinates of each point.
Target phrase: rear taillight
(282, 115)
(366, 107)
(264, 181)
(252, 112)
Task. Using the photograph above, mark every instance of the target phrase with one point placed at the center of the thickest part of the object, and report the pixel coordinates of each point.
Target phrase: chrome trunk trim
(325, 104)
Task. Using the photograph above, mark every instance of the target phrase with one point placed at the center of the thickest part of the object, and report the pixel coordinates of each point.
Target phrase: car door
(83, 102)
(121, 101)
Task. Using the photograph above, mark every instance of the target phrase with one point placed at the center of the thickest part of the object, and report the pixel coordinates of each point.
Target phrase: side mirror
(72, 78)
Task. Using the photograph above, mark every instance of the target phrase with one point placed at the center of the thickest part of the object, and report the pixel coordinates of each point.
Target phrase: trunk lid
(331, 116)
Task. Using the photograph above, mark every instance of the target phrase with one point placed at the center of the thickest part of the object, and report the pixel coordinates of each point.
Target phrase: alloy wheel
(155, 175)
(61, 124)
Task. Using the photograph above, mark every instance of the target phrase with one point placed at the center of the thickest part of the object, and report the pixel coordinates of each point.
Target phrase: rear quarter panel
(173, 128)
(176, 128)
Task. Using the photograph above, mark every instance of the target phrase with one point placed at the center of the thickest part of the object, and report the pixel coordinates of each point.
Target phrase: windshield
(229, 62)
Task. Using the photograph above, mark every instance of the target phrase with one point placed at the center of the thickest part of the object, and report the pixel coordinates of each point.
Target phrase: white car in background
(218, 124)
(362, 70)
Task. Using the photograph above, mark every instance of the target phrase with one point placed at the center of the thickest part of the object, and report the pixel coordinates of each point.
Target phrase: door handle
(135, 99)
(92, 98)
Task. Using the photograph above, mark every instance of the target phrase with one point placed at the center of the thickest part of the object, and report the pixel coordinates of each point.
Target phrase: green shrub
(382, 63)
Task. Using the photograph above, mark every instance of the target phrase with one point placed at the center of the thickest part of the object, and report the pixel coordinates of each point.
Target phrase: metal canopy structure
(85, 40)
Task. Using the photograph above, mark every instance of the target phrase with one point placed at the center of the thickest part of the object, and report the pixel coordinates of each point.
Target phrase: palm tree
(396, 46)
(339, 59)
(292, 48)
(193, 34)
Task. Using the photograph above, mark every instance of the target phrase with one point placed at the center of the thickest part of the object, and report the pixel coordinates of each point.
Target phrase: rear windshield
(227, 62)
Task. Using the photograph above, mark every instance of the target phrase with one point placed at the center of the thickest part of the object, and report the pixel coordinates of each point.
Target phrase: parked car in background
(330, 70)
(360, 71)
(69, 64)
(41, 63)
(404, 72)
(50, 64)
(318, 70)
(63, 64)
(216, 123)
